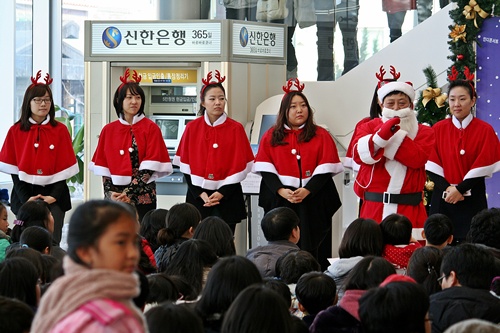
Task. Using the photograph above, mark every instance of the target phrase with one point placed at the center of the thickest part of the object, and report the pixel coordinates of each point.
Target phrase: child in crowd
(161, 289)
(33, 257)
(4, 231)
(19, 280)
(15, 316)
(227, 278)
(152, 222)
(438, 231)
(36, 238)
(181, 222)
(169, 317)
(398, 242)
(35, 213)
(218, 233)
(395, 307)
(257, 309)
(281, 288)
(424, 266)
(192, 262)
(315, 292)
(362, 237)
(290, 267)
(281, 229)
(368, 273)
(96, 292)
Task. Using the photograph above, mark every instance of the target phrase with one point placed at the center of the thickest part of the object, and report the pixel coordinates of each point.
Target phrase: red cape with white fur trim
(214, 156)
(41, 156)
(112, 155)
(480, 146)
(318, 156)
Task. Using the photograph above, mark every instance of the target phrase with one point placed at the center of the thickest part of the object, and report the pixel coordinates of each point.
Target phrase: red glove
(386, 131)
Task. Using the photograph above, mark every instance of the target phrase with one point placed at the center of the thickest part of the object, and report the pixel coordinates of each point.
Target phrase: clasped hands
(47, 198)
(386, 131)
(453, 195)
(212, 200)
(296, 196)
(117, 196)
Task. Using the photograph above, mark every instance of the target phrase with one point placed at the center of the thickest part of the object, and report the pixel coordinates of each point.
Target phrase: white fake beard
(408, 120)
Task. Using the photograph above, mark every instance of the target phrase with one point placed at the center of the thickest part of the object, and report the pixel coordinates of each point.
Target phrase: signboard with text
(258, 40)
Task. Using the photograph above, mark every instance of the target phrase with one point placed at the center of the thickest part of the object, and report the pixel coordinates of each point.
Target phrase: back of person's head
(152, 222)
(316, 291)
(473, 326)
(19, 280)
(52, 268)
(485, 228)
(15, 316)
(473, 267)
(291, 265)
(190, 261)
(424, 267)
(31, 213)
(161, 289)
(227, 278)
(281, 288)
(368, 273)
(180, 219)
(186, 291)
(398, 307)
(279, 223)
(396, 229)
(169, 317)
(363, 237)
(90, 221)
(257, 309)
(37, 238)
(438, 228)
(33, 256)
(217, 232)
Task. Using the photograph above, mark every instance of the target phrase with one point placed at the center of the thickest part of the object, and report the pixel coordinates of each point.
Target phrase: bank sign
(258, 40)
(156, 38)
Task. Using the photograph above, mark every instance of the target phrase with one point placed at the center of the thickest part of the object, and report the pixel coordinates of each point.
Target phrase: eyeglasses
(40, 100)
(440, 280)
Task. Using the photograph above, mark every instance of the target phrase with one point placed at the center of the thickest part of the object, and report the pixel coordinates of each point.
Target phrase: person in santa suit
(215, 156)
(297, 160)
(392, 152)
(38, 154)
(466, 151)
(131, 153)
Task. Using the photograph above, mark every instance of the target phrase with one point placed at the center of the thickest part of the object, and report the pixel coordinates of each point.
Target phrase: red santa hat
(385, 87)
(397, 278)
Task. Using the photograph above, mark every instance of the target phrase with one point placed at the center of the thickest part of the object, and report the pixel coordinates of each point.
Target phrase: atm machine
(172, 57)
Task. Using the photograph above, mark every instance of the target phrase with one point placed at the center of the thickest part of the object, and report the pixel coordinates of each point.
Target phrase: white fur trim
(160, 169)
(334, 168)
(285, 180)
(364, 150)
(47, 180)
(434, 168)
(394, 143)
(9, 168)
(216, 184)
(485, 171)
(397, 171)
(379, 141)
(396, 86)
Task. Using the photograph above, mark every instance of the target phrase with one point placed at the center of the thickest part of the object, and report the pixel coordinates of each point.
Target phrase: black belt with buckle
(412, 199)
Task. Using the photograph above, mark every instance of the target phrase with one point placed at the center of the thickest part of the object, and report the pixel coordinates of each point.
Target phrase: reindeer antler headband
(386, 86)
(135, 78)
(293, 85)
(34, 80)
(469, 77)
(208, 80)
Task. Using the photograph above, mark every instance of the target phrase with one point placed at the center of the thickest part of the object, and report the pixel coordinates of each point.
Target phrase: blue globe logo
(243, 36)
(111, 37)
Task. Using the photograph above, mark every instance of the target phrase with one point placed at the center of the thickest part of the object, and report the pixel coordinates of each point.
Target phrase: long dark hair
(31, 213)
(37, 90)
(279, 128)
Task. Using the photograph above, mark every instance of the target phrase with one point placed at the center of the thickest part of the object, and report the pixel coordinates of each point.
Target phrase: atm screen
(169, 128)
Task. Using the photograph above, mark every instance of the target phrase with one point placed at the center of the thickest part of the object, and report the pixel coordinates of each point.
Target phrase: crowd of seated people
(206, 287)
